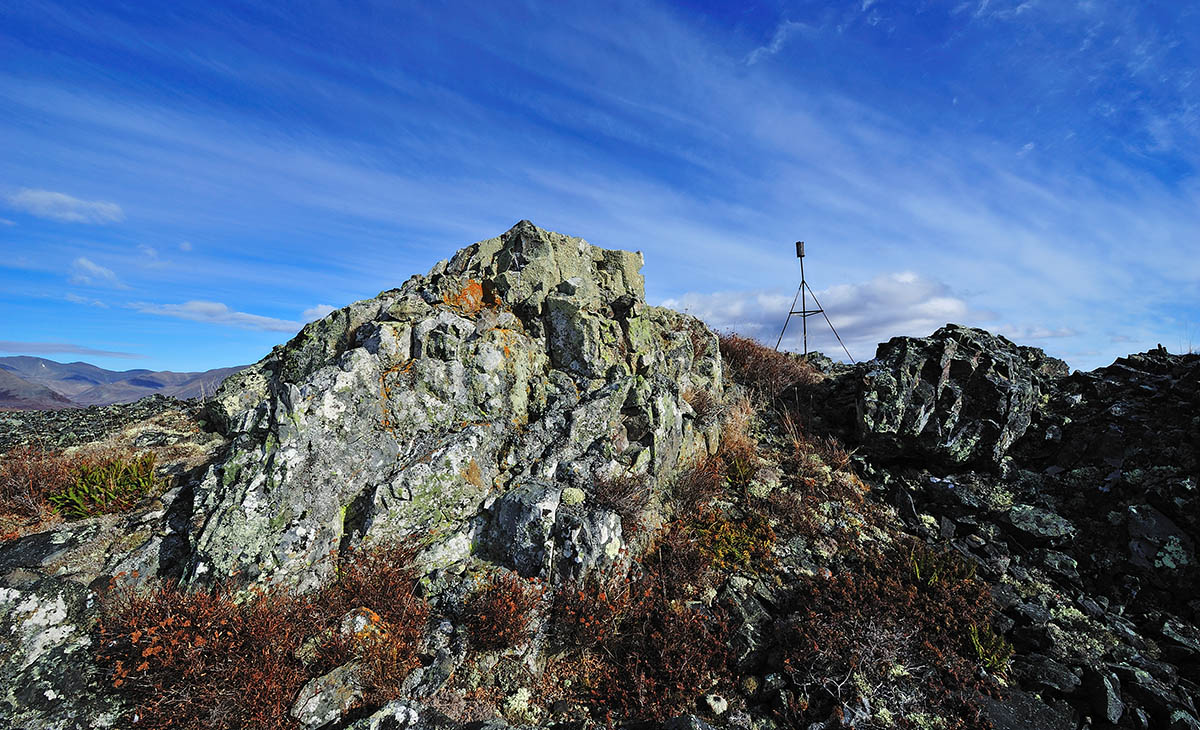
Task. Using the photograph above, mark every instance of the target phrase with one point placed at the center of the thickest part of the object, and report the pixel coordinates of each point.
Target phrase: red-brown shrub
(28, 476)
(592, 613)
(198, 659)
(499, 615)
(383, 578)
(905, 636)
(651, 647)
(213, 659)
(649, 653)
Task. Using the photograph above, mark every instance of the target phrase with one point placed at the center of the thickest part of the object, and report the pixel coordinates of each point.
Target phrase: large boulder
(961, 396)
(526, 363)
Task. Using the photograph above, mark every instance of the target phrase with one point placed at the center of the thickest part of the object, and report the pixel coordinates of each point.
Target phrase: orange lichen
(469, 299)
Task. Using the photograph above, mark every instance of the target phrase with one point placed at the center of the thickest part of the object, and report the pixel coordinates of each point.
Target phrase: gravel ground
(71, 427)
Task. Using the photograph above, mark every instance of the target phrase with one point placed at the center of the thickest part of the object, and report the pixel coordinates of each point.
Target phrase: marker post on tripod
(804, 312)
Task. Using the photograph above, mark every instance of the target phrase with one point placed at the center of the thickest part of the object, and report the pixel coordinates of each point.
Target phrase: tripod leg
(789, 318)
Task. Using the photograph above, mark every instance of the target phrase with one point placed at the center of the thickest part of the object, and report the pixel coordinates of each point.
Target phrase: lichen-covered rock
(1039, 525)
(327, 698)
(961, 396)
(46, 677)
(527, 359)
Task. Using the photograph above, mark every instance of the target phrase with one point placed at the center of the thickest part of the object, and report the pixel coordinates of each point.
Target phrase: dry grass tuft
(627, 494)
(765, 371)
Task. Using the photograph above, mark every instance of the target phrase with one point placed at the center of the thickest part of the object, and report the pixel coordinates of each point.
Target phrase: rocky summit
(511, 493)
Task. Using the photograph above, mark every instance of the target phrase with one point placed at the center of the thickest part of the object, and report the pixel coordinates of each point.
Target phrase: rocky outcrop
(1076, 495)
(491, 405)
(459, 405)
(961, 396)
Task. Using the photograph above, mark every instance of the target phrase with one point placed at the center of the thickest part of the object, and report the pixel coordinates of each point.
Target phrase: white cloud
(6, 222)
(1034, 332)
(317, 312)
(62, 207)
(218, 313)
(85, 272)
(85, 300)
(185, 246)
(51, 348)
(148, 251)
(865, 314)
(783, 32)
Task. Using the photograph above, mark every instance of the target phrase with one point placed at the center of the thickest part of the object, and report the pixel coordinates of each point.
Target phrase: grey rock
(45, 651)
(1042, 673)
(716, 704)
(519, 361)
(961, 396)
(1040, 525)
(1023, 711)
(404, 715)
(686, 722)
(522, 525)
(1104, 692)
(327, 698)
(1181, 638)
(1182, 720)
(1155, 541)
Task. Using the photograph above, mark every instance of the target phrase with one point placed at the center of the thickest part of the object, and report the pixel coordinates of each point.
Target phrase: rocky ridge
(461, 406)
(480, 405)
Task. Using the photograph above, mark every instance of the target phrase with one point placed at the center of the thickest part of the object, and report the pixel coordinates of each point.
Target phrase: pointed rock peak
(527, 264)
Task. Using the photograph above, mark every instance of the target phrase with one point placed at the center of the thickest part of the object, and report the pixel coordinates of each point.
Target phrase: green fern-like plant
(930, 566)
(108, 485)
(992, 649)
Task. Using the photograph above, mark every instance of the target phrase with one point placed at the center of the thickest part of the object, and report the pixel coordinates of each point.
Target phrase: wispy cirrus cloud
(85, 272)
(91, 302)
(783, 33)
(650, 128)
(60, 348)
(1035, 332)
(65, 208)
(219, 314)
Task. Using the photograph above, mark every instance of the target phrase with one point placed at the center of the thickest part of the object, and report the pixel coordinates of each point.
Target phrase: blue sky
(183, 184)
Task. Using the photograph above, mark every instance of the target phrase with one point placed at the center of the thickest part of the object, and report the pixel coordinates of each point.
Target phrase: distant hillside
(20, 394)
(31, 383)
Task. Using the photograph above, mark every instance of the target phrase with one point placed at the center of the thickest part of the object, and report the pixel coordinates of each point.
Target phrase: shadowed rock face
(1075, 493)
(961, 396)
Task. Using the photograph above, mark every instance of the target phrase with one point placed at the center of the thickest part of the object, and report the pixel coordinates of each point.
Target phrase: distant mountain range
(35, 383)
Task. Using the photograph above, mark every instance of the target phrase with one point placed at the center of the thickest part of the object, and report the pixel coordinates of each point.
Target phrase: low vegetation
(102, 485)
(500, 613)
(28, 476)
(626, 494)
(215, 658)
(767, 372)
(39, 485)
